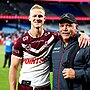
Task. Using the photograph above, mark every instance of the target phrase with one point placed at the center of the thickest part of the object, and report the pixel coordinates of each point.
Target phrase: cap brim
(66, 20)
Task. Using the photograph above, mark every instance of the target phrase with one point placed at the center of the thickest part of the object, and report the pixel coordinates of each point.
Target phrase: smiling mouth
(65, 32)
(38, 21)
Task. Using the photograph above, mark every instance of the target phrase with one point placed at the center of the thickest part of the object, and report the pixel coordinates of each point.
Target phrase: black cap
(67, 17)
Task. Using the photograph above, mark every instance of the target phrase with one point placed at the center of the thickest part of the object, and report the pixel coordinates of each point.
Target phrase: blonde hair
(36, 6)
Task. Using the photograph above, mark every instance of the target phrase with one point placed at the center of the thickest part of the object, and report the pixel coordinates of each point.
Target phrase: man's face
(37, 18)
(66, 30)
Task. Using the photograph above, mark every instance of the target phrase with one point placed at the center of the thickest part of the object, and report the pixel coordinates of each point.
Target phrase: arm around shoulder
(84, 40)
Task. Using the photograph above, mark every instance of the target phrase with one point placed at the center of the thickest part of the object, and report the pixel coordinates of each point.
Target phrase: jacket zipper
(59, 69)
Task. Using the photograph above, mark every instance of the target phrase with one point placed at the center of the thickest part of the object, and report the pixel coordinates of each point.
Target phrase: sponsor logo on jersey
(33, 60)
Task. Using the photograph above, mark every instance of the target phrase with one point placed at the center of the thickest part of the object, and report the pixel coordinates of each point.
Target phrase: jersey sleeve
(18, 50)
(57, 36)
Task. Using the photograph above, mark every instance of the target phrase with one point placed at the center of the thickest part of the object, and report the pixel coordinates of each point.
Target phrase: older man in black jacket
(71, 64)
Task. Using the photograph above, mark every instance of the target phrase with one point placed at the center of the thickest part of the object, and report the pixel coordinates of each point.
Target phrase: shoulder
(85, 51)
(87, 48)
(23, 38)
(54, 34)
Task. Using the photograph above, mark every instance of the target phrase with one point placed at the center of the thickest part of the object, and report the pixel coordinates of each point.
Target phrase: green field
(4, 80)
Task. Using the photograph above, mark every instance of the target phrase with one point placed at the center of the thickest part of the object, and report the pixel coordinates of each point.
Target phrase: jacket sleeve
(84, 73)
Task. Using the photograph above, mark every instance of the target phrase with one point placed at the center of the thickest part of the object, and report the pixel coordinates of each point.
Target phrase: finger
(79, 41)
(83, 41)
(66, 76)
(88, 42)
(65, 70)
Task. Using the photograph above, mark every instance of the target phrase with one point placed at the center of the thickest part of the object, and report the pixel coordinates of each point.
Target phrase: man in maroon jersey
(33, 50)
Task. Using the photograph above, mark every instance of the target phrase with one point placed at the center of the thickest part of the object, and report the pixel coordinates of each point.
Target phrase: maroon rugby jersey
(35, 53)
(35, 46)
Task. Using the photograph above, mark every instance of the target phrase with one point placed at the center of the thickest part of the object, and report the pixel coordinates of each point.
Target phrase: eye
(40, 16)
(61, 25)
(69, 25)
(34, 15)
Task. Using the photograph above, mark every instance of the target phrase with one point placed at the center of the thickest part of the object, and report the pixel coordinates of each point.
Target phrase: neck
(66, 42)
(36, 32)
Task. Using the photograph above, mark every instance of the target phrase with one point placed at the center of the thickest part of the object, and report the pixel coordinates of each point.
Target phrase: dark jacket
(81, 65)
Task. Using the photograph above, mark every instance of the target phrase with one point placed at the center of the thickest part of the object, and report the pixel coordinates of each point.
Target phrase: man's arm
(13, 73)
(83, 39)
(80, 74)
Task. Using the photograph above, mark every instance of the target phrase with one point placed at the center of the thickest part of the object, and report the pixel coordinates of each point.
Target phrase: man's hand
(68, 73)
(84, 40)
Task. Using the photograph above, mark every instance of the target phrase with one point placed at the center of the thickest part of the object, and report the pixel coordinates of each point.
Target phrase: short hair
(36, 6)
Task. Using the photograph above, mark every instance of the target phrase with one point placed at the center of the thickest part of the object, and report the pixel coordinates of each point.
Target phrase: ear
(29, 18)
(76, 26)
(45, 18)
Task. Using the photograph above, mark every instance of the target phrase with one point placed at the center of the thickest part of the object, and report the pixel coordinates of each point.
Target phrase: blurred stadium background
(14, 15)
(14, 20)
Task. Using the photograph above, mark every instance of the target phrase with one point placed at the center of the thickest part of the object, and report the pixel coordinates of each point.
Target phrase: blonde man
(33, 50)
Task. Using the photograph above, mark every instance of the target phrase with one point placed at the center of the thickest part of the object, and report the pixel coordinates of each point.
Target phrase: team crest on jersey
(25, 38)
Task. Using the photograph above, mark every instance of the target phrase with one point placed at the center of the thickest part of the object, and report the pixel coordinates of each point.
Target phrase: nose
(37, 17)
(65, 26)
